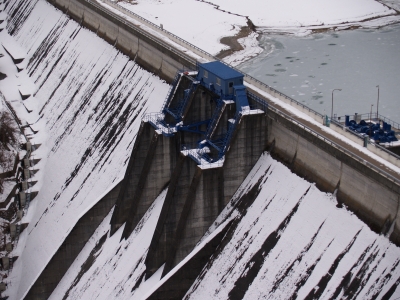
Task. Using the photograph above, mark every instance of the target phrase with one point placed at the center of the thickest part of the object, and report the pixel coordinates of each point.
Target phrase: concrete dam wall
(164, 176)
(374, 197)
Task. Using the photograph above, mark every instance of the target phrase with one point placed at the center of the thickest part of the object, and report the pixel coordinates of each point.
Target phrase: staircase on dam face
(201, 145)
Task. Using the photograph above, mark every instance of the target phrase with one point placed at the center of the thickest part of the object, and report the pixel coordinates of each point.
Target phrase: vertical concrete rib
(202, 207)
(137, 199)
(175, 228)
(247, 144)
(132, 176)
(170, 214)
(155, 176)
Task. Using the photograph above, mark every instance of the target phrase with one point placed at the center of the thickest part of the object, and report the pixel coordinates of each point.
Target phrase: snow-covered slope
(115, 266)
(290, 14)
(88, 105)
(292, 242)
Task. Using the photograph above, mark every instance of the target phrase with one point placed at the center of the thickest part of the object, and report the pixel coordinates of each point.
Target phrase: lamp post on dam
(377, 104)
(332, 102)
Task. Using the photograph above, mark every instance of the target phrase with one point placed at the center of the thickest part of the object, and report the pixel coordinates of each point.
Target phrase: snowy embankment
(108, 268)
(87, 105)
(299, 17)
(204, 23)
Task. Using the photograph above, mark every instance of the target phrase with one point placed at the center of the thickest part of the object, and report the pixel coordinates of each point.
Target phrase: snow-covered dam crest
(89, 101)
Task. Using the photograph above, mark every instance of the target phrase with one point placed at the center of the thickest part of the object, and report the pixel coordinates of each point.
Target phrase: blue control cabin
(224, 81)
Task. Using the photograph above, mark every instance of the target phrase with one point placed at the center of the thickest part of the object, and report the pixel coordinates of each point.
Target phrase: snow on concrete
(108, 268)
(13, 49)
(87, 105)
(200, 245)
(293, 242)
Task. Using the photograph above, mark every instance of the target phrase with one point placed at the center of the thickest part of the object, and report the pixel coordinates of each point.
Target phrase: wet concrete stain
(291, 268)
(18, 13)
(254, 265)
(317, 292)
(88, 263)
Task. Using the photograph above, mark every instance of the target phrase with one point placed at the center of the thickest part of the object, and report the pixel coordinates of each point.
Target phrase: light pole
(370, 114)
(377, 104)
(370, 121)
(332, 103)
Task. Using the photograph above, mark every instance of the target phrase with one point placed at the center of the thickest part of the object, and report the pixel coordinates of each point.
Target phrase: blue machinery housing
(200, 102)
(383, 134)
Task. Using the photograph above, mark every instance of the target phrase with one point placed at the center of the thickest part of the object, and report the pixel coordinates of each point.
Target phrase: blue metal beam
(195, 127)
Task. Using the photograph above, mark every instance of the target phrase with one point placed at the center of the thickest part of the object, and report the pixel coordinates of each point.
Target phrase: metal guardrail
(215, 118)
(157, 120)
(171, 89)
(391, 122)
(257, 102)
(386, 150)
(199, 51)
(337, 146)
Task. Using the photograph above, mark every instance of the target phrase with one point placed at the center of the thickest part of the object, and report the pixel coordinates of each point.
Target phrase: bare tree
(8, 139)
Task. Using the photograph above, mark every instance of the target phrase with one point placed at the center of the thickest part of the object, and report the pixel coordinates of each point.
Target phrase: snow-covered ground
(194, 21)
(87, 106)
(204, 23)
(297, 16)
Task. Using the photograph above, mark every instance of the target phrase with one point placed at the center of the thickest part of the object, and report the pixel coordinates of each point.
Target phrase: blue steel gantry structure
(207, 103)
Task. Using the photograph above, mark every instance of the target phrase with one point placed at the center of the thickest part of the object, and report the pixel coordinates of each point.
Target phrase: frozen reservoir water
(309, 68)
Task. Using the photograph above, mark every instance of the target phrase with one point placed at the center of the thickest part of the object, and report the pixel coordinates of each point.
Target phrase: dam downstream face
(286, 238)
